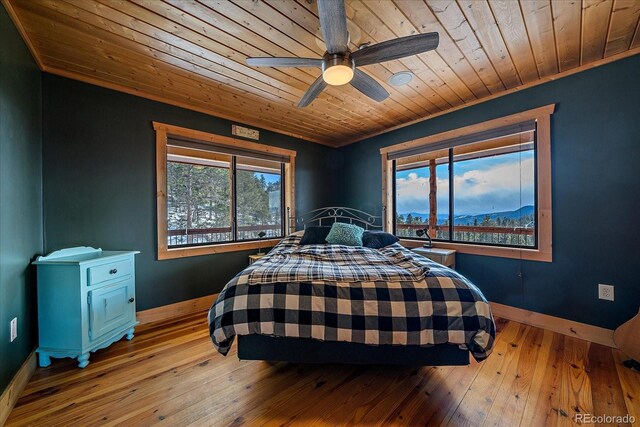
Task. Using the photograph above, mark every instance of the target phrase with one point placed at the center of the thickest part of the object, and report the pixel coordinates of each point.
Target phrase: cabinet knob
(131, 300)
(113, 271)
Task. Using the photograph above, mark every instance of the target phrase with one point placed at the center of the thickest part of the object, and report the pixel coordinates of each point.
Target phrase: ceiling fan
(339, 64)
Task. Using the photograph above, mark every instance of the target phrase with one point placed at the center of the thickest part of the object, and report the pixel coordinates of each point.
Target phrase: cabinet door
(110, 307)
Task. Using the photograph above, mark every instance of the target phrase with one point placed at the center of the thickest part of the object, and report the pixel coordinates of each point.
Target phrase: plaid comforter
(334, 263)
(393, 296)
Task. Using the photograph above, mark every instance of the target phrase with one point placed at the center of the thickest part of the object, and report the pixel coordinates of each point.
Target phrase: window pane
(258, 198)
(413, 189)
(494, 196)
(198, 201)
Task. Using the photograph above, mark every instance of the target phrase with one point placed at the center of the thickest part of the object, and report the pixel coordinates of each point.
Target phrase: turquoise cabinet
(86, 301)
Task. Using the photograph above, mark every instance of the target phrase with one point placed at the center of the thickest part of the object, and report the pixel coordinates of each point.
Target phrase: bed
(342, 304)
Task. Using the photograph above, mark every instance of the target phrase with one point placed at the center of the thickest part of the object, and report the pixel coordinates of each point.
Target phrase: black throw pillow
(315, 235)
(378, 239)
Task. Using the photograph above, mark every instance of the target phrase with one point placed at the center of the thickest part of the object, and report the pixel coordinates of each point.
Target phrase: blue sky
(489, 184)
(268, 177)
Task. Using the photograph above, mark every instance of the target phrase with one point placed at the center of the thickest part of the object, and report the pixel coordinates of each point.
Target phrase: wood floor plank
(508, 405)
(606, 390)
(630, 382)
(171, 374)
(542, 408)
(535, 401)
(156, 388)
(102, 364)
(575, 392)
(436, 401)
(211, 397)
(59, 399)
(366, 393)
(477, 402)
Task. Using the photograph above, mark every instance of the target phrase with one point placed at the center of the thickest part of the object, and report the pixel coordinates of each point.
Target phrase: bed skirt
(307, 350)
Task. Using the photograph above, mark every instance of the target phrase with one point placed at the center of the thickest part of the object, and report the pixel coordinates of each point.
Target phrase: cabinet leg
(130, 334)
(83, 360)
(43, 359)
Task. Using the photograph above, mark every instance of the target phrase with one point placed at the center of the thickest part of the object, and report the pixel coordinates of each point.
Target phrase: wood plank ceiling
(192, 53)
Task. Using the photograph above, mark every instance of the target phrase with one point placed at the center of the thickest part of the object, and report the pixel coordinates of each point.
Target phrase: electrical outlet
(14, 329)
(605, 292)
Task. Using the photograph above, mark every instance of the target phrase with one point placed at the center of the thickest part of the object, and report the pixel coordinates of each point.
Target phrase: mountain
(469, 219)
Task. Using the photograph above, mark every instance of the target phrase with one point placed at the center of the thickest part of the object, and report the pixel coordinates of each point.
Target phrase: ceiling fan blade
(367, 85)
(396, 48)
(284, 62)
(313, 92)
(333, 22)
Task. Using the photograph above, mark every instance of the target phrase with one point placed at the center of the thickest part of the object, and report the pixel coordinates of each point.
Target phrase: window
(219, 194)
(494, 195)
(259, 198)
(198, 200)
(422, 198)
(499, 202)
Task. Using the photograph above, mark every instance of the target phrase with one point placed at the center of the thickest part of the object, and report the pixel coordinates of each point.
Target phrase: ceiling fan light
(337, 75)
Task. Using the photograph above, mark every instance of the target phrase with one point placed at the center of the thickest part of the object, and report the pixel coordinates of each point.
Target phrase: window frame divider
(451, 195)
(234, 199)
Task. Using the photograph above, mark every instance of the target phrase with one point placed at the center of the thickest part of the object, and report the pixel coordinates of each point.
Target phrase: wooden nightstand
(446, 257)
(253, 258)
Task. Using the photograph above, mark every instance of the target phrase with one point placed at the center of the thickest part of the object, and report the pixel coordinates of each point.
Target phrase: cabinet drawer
(110, 271)
(110, 307)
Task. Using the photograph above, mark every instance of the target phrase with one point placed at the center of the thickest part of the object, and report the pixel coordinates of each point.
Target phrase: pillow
(315, 235)
(378, 239)
(345, 234)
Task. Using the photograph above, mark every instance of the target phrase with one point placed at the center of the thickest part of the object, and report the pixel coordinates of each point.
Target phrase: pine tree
(199, 197)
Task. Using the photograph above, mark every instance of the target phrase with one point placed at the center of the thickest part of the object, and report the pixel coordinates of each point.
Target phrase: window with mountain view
(423, 203)
(482, 189)
(492, 200)
(494, 196)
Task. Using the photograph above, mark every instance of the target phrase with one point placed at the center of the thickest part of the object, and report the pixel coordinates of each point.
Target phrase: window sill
(494, 251)
(215, 249)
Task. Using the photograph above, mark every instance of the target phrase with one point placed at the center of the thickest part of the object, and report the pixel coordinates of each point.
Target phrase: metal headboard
(329, 215)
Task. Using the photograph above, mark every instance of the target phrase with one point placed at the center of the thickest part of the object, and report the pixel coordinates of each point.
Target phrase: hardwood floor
(171, 373)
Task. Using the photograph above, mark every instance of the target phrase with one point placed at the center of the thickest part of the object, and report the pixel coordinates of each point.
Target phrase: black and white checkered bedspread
(304, 297)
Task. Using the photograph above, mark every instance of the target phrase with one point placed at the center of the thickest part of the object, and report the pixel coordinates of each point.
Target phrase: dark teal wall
(99, 183)
(20, 195)
(595, 145)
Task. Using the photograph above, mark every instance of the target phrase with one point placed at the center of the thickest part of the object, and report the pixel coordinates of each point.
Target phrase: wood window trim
(162, 131)
(543, 252)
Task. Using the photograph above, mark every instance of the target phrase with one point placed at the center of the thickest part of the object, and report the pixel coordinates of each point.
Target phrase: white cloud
(503, 187)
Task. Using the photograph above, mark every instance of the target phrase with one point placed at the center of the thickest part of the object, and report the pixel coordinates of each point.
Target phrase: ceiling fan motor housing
(337, 68)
